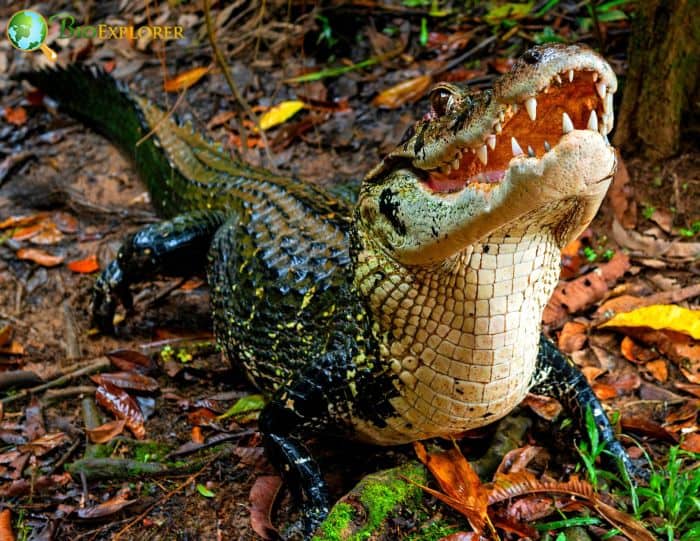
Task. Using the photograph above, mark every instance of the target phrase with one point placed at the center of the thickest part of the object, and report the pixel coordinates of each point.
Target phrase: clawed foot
(109, 290)
(304, 528)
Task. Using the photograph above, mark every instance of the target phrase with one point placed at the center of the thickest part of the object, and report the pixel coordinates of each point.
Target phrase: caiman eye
(441, 101)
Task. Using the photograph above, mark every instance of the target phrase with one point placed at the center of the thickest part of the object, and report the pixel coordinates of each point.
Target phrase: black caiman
(417, 313)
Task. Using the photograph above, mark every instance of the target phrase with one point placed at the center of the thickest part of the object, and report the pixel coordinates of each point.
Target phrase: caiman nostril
(532, 56)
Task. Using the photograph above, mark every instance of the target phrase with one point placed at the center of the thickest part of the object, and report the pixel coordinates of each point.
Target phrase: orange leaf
(6, 533)
(658, 369)
(40, 257)
(16, 115)
(184, 80)
(85, 266)
(106, 432)
(463, 489)
(691, 443)
(603, 391)
(405, 91)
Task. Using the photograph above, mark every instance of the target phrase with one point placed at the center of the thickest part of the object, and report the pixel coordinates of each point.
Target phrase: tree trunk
(664, 58)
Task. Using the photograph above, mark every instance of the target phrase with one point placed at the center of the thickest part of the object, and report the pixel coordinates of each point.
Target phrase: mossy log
(383, 500)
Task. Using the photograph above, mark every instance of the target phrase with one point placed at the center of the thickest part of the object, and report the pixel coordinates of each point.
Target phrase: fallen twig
(95, 365)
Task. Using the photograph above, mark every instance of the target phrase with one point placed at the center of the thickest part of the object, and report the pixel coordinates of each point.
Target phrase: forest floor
(68, 198)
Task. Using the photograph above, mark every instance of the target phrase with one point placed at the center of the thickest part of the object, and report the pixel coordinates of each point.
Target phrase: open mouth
(573, 100)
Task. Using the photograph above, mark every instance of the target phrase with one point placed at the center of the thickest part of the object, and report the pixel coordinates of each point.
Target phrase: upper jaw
(500, 119)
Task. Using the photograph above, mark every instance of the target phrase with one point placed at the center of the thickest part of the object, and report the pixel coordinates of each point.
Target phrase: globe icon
(27, 30)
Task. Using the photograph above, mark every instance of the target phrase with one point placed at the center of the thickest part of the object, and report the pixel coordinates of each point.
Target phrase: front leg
(299, 409)
(176, 247)
(557, 376)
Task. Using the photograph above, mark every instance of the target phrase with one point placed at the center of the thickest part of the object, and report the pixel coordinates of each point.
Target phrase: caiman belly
(460, 340)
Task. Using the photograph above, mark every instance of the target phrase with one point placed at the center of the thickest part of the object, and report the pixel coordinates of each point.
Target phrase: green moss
(380, 494)
(433, 531)
(150, 451)
(336, 523)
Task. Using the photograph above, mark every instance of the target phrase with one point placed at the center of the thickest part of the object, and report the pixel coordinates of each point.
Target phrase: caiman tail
(182, 170)
(99, 101)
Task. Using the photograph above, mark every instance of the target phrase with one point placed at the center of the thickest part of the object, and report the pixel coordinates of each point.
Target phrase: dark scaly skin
(282, 264)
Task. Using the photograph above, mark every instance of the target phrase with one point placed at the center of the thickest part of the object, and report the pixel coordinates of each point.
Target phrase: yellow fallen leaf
(406, 91)
(280, 113)
(660, 317)
(184, 80)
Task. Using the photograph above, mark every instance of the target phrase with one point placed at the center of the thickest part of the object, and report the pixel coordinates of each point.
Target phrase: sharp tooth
(608, 104)
(497, 128)
(531, 106)
(601, 88)
(515, 147)
(502, 116)
(557, 78)
(458, 156)
(547, 146)
(571, 76)
(607, 141)
(566, 124)
(491, 141)
(593, 121)
(482, 154)
(595, 76)
(546, 90)
(446, 169)
(455, 164)
(515, 108)
(530, 152)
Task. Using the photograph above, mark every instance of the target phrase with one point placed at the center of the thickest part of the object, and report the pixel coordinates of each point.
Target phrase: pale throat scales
(460, 339)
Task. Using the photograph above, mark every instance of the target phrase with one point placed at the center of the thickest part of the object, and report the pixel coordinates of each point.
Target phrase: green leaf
(567, 523)
(246, 405)
(204, 491)
(508, 11)
(423, 31)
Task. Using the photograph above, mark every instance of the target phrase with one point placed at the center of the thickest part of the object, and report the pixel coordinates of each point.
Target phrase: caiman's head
(480, 162)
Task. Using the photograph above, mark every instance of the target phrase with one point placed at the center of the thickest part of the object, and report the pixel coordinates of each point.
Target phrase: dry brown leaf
(132, 381)
(691, 443)
(40, 257)
(621, 196)
(518, 459)
(648, 246)
(105, 509)
(591, 373)
(262, 497)
(604, 391)
(403, 92)
(658, 369)
(627, 303)
(571, 297)
(572, 337)
(545, 406)
(692, 388)
(462, 487)
(122, 406)
(512, 485)
(106, 432)
(635, 353)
